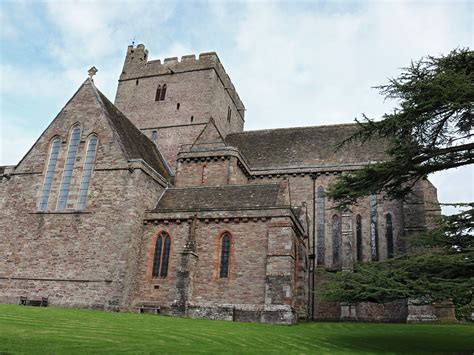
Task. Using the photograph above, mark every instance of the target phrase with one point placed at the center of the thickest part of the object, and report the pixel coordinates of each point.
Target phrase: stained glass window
(225, 256)
(48, 180)
(161, 256)
(389, 235)
(68, 168)
(359, 237)
(320, 211)
(336, 240)
(374, 234)
(87, 172)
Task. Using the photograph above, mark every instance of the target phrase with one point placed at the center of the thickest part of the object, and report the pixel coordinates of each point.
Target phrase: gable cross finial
(92, 71)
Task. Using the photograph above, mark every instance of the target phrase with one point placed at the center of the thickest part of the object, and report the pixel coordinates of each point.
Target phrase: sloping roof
(134, 143)
(305, 146)
(219, 198)
(209, 138)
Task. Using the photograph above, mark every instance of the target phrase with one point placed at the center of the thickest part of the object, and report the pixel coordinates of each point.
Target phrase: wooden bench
(34, 301)
(148, 309)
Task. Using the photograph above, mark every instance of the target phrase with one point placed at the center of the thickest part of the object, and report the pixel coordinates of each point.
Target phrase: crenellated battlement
(138, 66)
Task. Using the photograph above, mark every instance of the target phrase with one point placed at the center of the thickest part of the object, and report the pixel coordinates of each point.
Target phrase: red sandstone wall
(77, 259)
(246, 282)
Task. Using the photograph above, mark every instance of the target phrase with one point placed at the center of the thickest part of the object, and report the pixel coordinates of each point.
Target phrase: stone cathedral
(161, 202)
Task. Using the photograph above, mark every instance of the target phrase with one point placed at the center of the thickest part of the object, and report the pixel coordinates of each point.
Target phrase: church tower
(172, 101)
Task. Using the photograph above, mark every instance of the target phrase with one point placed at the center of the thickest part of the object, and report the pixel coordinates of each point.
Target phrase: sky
(293, 63)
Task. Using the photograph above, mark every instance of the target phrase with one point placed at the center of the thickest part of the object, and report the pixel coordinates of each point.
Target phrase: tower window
(136, 82)
(359, 237)
(229, 113)
(225, 256)
(163, 92)
(158, 93)
(154, 136)
(87, 172)
(161, 256)
(178, 105)
(48, 180)
(68, 168)
(192, 119)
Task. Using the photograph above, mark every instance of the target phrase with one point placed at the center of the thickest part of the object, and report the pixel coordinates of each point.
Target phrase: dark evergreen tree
(431, 130)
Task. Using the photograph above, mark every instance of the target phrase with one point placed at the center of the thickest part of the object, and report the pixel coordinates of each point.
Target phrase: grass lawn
(57, 330)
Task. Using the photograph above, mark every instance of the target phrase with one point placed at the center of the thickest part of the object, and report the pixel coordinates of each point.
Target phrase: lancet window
(161, 256)
(359, 237)
(87, 172)
(68, 168)
(48, 180)
(374, 234)
(320, 211)
(336, 240)
(389, 235)
(225, 256)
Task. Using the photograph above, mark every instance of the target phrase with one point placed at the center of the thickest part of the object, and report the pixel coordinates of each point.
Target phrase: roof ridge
(293, 128)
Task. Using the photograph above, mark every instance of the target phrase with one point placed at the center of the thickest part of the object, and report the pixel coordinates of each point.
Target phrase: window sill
(65, 212)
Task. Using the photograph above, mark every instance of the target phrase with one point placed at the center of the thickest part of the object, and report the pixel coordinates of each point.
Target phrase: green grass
(57, 330)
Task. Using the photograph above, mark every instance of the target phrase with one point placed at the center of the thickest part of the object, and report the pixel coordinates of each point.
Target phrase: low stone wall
(275, 314)
(395, 311)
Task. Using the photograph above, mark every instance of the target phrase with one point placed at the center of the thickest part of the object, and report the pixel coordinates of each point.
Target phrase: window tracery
(68, 168)
(48, 179)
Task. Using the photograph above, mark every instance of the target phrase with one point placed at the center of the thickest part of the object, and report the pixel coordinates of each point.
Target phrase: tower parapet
(138, 66)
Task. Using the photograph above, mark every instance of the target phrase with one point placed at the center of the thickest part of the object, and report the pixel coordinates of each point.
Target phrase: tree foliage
(438, 265)
(430, 130)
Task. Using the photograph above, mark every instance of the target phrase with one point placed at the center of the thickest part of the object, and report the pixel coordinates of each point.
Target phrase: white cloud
(318, 67)
(305, 63)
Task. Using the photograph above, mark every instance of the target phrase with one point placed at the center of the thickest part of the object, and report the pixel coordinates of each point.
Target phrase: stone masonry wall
(170, 140)
(263, 280)
(80, 259)
(213, 171)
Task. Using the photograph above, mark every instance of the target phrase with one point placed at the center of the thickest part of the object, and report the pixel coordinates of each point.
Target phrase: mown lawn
(56, 330)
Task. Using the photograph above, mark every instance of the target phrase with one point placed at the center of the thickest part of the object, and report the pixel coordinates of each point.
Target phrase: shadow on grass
(406, 343)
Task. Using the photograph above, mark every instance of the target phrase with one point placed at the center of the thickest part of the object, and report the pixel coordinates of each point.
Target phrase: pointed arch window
(161, 256)
(158, 93)
(68, 168)
(359, 237)
(48, 179)
(225, 256)
(163, 92)
(87, 172)
(389, 235)
(320, 211)
(336, 240)
(374, 234)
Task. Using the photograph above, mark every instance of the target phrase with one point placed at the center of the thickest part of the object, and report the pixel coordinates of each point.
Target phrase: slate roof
(304, 147)
(219, 198)
(134, 143)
